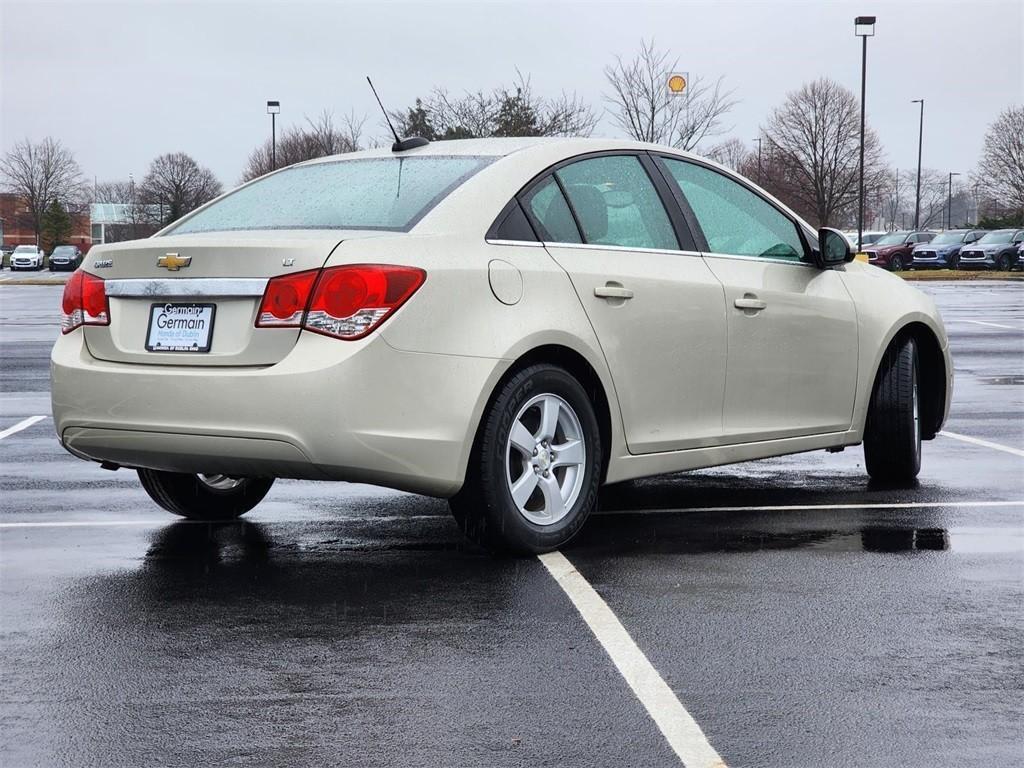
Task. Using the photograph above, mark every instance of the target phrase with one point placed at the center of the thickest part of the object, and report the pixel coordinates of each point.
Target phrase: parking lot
(801, 615)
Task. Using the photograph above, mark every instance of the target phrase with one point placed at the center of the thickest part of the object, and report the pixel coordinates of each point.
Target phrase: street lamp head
(273, 107)
(917, 101)
(864, 26)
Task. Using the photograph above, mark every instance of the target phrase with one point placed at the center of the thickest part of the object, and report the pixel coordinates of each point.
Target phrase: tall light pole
(758, 140)
(131, 202)
(863, 27)
(920, 137)
(949, 202)
(273, 108)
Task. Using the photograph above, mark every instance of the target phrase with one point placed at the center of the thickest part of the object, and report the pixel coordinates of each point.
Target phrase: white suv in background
(27, 257)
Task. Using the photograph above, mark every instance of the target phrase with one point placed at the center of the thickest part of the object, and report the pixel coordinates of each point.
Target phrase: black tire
(892, 435)
(896, 264)
(484, 507)
(954, 262)
(189, 496)
(1003, 263)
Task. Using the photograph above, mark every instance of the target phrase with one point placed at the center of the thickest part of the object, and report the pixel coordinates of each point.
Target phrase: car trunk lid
(193, 299)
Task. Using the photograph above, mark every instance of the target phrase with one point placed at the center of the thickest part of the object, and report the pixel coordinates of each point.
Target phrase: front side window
(617, 204)
(735, 220)
(386, 193)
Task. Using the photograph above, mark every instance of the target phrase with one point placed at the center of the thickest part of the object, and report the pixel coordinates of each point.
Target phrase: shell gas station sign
(677, 83)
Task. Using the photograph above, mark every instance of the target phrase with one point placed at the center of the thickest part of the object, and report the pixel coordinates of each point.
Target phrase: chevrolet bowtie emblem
(173, 262)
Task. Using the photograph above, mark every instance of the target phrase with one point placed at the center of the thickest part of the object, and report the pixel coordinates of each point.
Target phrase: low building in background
(16, 226)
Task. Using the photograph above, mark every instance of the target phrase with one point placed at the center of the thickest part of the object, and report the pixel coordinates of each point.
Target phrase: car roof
(502, 147)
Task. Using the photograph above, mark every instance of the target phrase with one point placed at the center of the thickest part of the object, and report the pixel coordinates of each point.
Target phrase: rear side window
(617, 204)
(735, 220)
(548, 207)
(387, 193)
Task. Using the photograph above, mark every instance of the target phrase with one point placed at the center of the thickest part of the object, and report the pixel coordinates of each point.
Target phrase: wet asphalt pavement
(348, 625)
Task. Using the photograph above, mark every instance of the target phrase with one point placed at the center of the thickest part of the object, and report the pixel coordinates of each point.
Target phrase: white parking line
(983, 443)
(683, 734)
(24, 424)
(992, 325)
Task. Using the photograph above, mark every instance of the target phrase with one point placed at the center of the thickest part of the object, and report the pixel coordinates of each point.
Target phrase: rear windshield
(388, 193)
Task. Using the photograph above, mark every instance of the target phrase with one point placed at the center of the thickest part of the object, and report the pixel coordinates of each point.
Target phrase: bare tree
(319, 137)
(176, 184)
(814, 140)
(643, 107)
(506, 111)
(42, 174)
(731, 153)
(1001, 169)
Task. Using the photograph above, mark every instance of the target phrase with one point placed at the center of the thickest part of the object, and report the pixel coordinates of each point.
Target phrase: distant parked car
(27, 257)
(867, 238)
(892, 251)
(943, 252)
(65, 257)
(999, 250)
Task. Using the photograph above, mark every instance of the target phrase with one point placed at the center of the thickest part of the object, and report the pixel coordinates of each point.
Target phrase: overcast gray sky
(121, 83)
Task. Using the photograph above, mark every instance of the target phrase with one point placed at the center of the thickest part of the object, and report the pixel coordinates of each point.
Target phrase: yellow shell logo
(676, 83)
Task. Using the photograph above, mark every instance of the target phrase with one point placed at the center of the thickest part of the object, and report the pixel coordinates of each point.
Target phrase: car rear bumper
(331, 410)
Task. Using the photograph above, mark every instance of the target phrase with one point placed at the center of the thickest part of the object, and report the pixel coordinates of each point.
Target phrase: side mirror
(833, 248)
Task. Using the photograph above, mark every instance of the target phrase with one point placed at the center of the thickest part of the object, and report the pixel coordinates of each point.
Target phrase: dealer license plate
(180, 327)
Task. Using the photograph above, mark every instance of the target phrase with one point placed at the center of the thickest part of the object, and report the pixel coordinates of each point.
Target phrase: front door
(792, 328)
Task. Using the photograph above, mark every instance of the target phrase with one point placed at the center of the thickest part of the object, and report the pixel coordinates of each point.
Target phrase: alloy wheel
(545, 456)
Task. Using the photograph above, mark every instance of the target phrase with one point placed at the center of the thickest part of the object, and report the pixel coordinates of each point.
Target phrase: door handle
(613, 292)
(750, 303)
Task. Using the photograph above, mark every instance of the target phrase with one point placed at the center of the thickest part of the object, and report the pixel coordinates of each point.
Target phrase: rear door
(655, 306)
(792, 328)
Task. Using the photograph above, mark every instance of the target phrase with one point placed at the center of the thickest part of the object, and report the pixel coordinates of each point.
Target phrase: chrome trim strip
(595, 247)
(226, 287)
(527, 243)
(621, 248)
(760, 260)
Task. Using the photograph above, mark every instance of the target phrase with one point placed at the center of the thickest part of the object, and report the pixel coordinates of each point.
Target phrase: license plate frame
(197, 310)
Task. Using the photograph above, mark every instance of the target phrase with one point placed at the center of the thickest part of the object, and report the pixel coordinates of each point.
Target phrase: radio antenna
(386, 117)
(400, 145)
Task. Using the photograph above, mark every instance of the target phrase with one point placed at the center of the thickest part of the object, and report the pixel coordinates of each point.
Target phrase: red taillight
(346, 302)
(351, 301)
(285, 300)
(84, 302)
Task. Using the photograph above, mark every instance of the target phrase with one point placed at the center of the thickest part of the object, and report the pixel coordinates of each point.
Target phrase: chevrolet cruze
(507, 323)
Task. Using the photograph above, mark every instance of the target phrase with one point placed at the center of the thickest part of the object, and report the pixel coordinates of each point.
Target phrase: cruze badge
(173, 262)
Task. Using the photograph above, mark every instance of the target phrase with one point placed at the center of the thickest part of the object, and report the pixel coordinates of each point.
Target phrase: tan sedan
(508, 323)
